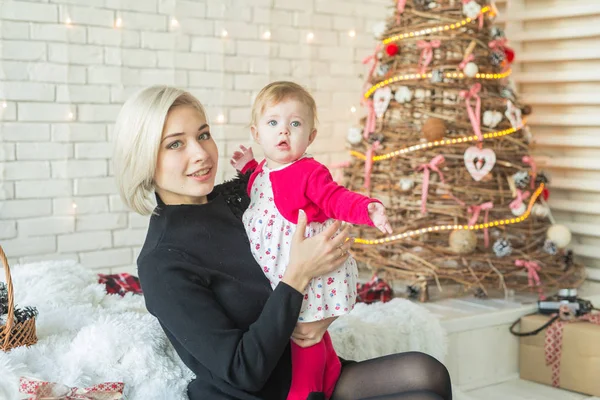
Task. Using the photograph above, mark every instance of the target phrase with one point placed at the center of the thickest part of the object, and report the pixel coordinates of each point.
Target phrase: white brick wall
(65, 70)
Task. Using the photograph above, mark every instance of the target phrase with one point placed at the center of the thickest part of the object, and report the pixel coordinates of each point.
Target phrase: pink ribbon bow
(369, 163)
(474, 114)
(499, 44)
(371, 122)
(372, 58)
(475, 210)
(426, 53)
(465, 61)
(529, 160)
(43, 390)
(518, 201)
(400, 7)
(532, 268)
(426, 168)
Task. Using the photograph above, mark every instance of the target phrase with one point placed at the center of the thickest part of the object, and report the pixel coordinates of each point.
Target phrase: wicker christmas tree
(445, 146)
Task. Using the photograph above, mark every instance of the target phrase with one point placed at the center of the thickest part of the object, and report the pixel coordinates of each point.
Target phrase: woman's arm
(192, 314)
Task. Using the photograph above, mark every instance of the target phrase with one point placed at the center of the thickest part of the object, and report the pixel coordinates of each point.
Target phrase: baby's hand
(380, 220)
(241, 158)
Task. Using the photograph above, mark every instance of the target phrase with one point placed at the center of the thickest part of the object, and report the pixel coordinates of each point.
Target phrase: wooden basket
(22, 333)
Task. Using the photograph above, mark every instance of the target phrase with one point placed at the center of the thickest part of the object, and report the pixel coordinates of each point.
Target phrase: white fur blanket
(87, 337)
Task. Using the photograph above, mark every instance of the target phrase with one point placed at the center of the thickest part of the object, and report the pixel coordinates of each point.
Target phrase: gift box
(565, 355)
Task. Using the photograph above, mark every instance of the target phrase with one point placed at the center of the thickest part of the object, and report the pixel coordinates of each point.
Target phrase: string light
(310, 36)
(352, 109)
(435, 29)
(438, 228)
(438, 143)
(267, 35)
(71, 115)
(174, 23)
(220, 118)
(118, 23)
(453, 75)
(68, 22)
(352, 33)
(74, 205)
(224, 33)
(4, 104)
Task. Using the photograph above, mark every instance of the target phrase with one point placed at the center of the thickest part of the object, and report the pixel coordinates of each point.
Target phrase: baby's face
(284, 131)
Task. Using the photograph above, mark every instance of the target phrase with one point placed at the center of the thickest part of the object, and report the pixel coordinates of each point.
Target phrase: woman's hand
(317, 255)
(310, 333)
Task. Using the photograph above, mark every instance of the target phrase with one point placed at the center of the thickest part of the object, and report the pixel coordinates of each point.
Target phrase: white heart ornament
(381, 100)
(492, 118)
(479, 162)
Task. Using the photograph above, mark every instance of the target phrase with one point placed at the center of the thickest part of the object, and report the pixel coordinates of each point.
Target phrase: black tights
(404, 376)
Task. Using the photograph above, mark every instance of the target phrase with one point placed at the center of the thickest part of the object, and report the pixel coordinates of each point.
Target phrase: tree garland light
(439, 228)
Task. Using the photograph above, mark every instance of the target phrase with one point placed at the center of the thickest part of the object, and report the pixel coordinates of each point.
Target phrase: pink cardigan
(308, 185)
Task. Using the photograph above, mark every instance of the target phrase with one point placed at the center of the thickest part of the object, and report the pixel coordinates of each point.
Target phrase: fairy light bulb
(352, 33)
(224, 33)
(4, 104)
(220, 118)
(352, 109)
(68, 22)
(267, 35)
(174, 23)
(310, 36)
(70, 116)
(118, 22)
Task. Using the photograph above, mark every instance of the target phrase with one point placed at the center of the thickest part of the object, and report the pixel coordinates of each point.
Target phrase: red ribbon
(372, 58)
(518, 201)
(400, 7)
(369, 163)
(42, 390)
(465, 61)
(475, 210)
(554, 339)
(532, 268)
(474, 114)
(371, 122)
(426, 53)
(529, 160)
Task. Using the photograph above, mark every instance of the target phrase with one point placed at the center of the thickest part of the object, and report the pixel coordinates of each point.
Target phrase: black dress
(213, 301)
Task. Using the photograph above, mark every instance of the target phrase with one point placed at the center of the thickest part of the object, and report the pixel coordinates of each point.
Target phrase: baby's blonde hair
(279, 91)
(137, 135)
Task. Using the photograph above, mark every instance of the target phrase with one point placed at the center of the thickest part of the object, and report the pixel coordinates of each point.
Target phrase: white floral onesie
(270, 236)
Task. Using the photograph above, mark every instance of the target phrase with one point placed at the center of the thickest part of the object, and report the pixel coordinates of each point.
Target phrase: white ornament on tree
(513, 114)
(520, 210)
(471, 69)
(560, 235)
(381, 100)
(403, 94)
(378, 29)
(354, 136)
(382, 69)
(479, 162)
(492, 118)
(406, 184)
(471, 9)
(540, 210)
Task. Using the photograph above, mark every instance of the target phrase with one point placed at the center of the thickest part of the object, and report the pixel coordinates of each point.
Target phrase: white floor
(519, 389)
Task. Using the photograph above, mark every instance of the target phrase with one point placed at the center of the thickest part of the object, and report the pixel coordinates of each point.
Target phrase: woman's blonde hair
(279, 91)
(137, 136)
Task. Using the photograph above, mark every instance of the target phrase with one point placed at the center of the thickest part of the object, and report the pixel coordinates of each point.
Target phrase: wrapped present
(566, 354)
(373, 291)
(42, 390)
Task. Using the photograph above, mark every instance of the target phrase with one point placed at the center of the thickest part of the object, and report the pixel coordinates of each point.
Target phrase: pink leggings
(314, 369)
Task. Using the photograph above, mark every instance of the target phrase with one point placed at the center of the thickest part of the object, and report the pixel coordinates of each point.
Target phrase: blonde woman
(202, 283)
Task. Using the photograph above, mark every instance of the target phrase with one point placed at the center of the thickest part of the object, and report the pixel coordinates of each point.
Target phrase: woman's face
(187, 159)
